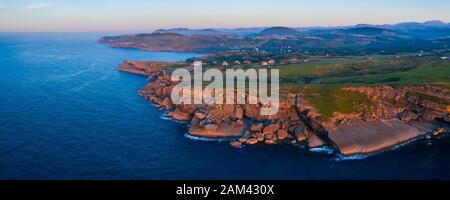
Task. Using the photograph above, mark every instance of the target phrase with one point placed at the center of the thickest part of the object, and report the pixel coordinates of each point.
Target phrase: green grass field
(330, 99)
(361, 71)
(321, 81)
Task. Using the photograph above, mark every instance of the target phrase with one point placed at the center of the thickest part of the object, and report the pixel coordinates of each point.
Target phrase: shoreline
(242, 125)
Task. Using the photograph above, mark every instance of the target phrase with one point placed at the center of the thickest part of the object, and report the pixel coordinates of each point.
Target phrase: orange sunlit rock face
(384, 127)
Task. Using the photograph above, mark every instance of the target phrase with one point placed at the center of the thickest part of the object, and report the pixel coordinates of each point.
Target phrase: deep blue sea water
(67, 113)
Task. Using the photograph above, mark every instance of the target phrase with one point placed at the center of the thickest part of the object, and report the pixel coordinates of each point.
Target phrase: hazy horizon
(139, 15)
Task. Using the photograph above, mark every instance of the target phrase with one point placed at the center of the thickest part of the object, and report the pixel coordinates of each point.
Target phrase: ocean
(66, 112)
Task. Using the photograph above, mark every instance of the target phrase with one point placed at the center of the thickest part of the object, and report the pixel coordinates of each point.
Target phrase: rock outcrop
(297, 122)
(407, 103)
(372, 137)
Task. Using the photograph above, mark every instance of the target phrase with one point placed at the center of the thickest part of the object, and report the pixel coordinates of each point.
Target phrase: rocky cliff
(408, 103)
(401, 114)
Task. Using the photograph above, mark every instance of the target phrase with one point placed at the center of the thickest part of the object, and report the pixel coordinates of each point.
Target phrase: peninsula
(357, 90)
(363, 120)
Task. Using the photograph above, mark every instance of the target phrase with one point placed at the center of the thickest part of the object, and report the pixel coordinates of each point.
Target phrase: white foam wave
(322, 150)
(341, 157)
(170, 119)
(205, 139)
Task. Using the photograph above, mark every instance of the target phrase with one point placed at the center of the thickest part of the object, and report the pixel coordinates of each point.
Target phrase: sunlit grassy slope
(330, 99)
(361, 71)
(321, 80)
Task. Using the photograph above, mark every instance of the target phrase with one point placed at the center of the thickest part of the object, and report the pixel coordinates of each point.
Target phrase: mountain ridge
(401, 37)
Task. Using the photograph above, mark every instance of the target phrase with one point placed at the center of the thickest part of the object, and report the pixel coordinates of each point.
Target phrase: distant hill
(188, 32)
(362, 38)
(178, 43)
(435, 23)
(370, 31)
(171, 30)
(243, 31)
(426, 30)
(211, 31)
(279, 31)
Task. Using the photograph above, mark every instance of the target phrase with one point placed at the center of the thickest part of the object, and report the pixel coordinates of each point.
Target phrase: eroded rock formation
(297, 122)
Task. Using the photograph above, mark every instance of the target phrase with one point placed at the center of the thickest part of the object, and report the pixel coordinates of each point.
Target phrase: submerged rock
(252, 141)
(438, 131)
(270, 142)
(243, 140)
(236, 144)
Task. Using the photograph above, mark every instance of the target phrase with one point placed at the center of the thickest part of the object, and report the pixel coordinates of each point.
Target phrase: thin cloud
(36, 6)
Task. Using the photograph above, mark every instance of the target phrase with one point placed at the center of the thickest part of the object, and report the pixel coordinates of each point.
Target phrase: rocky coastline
(411, 112)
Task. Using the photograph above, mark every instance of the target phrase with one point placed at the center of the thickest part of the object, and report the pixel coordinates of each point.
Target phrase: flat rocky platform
(374, 137)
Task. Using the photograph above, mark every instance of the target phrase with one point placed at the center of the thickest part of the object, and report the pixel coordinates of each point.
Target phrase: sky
(141, 15)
